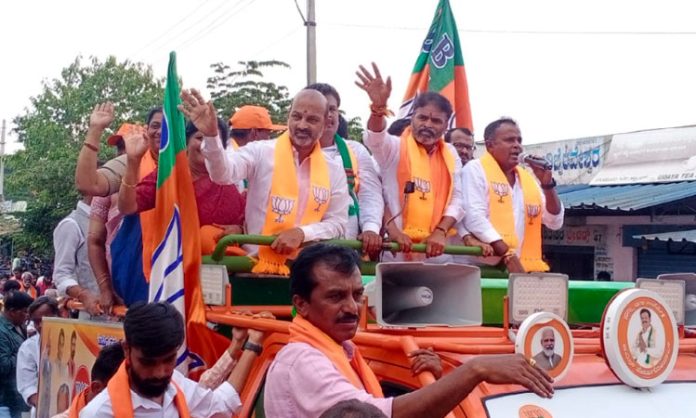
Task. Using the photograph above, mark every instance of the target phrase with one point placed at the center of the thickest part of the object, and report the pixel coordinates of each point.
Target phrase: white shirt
(202, 403)
(477, 220)
(386, 151)
(255, 162)
(68, 238)
(370, 200)
(28, 369)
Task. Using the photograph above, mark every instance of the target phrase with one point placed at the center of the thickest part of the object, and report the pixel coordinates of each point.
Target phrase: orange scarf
(433, 175)
(500, 209)
(357, 371)
(122, 403)
(147, 218)
(281, 209)
(78, 403)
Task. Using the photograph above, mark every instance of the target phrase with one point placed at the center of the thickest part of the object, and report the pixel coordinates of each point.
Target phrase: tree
(232, 89)
(53, 130)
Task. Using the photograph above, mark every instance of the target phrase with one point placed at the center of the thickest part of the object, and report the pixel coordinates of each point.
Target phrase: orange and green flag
(440, 68)
(176, 260)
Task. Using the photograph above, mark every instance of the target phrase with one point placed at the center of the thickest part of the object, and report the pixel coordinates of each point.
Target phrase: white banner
(609, 401)
(656, 156)
(575, 161)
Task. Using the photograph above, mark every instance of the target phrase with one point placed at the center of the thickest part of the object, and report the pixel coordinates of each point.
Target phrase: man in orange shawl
(420, 172)
(505, 204)
(147, 382)
(320, 366)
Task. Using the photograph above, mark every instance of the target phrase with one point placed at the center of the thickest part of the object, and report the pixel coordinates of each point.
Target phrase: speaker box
(411, 294)
(689, 294)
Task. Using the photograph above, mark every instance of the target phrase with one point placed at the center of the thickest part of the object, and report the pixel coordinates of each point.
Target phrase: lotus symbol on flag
(422, 186)
(281, 206)
(533, 212)
(500, 189)
(321, 196)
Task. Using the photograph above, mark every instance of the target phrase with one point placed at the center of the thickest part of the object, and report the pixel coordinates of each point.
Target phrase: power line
(222, 19)
(516, 32)
(174, 31)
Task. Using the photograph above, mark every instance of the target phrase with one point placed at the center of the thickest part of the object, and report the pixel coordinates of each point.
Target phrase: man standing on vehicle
(505, 204)
(321, 366)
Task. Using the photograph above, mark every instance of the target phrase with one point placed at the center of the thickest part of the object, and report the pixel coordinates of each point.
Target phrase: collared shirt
(370, 198)
(303, 383)
(255, 162)
(11, 338)
(476, 201)
(221, 402)
(28, 369)
(386, 151)
(71, 268)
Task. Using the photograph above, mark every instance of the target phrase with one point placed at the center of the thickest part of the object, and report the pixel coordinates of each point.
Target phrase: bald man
(294, 191)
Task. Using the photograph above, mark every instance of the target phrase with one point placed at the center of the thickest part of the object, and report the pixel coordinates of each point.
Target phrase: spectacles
(467, 147)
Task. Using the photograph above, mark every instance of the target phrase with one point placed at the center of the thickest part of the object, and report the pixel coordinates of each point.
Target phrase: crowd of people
(413, 182)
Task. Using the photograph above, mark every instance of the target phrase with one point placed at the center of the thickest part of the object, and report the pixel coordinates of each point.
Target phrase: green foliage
(355, 129)
(231, 89)
(53, 130)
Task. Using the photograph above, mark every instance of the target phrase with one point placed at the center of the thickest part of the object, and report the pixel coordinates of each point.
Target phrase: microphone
(534, 161)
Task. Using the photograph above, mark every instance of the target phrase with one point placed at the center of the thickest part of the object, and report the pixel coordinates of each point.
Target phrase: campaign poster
(69, 348)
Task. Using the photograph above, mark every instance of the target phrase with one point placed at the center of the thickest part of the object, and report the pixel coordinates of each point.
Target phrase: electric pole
(311, 25)
(2, 163)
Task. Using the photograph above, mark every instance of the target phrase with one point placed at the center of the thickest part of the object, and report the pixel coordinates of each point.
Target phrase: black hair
(448, 134)
(603, 276)
(156, 328)
(431, 97)
(44, 300)
(326, 90)
(489, 132)
(339, 259)
(353, 408)
(398, 126)
(107, 363)
(644, 310)
(342, 130)
(151, 114)
(121, 146)
(11, 285)
(17, 300)
(223, 131)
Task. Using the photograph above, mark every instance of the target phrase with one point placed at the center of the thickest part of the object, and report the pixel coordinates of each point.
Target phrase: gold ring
(532, 362)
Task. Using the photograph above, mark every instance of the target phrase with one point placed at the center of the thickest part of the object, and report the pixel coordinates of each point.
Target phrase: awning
(688, 236)
(626, 197)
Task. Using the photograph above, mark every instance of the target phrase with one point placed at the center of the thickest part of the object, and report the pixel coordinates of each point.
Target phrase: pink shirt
(303, 383)
(214, 376)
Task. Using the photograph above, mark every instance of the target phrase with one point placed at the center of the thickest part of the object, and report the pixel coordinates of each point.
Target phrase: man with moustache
(294, 191)
(547, 358)
(505, 205)
(364, 186)
(463, 141)
(419, 158)
(147, 384)
(320, 366)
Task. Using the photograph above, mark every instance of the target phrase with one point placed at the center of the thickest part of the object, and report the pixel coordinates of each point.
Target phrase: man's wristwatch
(550, 185)
(252, 347)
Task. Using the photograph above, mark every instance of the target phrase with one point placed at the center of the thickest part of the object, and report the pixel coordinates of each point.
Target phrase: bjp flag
(176, 259)
(440, 68)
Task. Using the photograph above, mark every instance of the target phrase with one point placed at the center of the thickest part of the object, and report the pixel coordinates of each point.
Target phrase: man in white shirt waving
(505, 205)
(295, 193)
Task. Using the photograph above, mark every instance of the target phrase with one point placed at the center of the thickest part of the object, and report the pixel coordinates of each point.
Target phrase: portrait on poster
(646, 336)
(547, 348)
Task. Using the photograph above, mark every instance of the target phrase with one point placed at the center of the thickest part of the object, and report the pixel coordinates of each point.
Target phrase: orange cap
(125, 129)
(254, 117)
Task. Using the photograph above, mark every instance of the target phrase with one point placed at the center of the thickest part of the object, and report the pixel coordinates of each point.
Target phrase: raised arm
(87, 179)
(379, 91)
(136, 146)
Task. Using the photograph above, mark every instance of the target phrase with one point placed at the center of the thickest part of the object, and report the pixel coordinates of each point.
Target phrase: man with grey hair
(547, 358)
